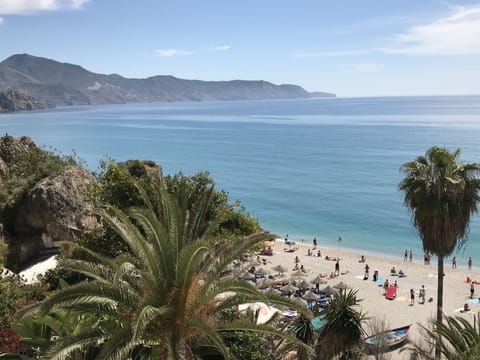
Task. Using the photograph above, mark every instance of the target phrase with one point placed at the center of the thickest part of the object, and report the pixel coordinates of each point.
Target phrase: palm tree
(303, 330)
(458, 339)
(442, 195)
(343, 328)
(160, 300)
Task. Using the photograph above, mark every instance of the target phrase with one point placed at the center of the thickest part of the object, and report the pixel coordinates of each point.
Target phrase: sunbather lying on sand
(332, 258)
(291, 249)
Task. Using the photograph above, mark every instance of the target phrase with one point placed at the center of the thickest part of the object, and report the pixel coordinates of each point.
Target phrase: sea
(308, 168)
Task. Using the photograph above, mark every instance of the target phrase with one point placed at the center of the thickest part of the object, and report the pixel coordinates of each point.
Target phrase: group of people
(469, 262)
(421, 295)
(312, 253)
(408, 255)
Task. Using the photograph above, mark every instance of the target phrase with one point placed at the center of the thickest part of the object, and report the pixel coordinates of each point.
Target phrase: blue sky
(349, 47)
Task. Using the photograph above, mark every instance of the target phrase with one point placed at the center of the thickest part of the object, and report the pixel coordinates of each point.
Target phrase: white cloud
(363, 68)
(304, 55)
(223, 47)
(172, 52)
(18, 7)
(457, 34)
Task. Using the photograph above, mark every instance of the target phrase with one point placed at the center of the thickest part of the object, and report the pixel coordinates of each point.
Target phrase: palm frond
(145, 317)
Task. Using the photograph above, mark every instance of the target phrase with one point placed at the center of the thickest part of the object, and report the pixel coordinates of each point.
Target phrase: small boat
(388, 339)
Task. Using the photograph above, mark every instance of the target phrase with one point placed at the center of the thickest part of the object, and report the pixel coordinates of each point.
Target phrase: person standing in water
(339, 237)
(314, 243)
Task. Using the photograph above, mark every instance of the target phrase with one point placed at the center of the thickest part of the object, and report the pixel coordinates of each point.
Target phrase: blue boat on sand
(388, 339)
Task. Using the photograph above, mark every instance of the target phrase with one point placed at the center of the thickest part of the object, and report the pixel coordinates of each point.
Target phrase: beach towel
(391, 293)
(474, 301)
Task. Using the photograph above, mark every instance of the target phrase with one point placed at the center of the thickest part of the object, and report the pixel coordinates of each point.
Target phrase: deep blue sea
(307, 168)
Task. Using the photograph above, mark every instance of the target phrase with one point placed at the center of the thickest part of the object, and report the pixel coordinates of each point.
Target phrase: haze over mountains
(52, 83)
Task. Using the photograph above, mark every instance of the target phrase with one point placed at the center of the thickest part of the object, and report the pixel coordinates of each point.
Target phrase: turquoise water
(313, 167)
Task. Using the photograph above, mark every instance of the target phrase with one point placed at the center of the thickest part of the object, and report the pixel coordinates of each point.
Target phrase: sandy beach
(397, 312)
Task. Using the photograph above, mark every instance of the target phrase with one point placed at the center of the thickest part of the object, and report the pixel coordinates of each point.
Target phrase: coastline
(394, 313)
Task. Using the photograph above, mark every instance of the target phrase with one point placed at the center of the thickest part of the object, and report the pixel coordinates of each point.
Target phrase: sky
(348, 47)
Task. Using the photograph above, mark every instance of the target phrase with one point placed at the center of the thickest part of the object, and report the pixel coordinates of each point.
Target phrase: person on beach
(470, 263)
(367, 269)
(339, 237)
(472, 290)
(395, 284)
(297, 260)
(309, 252)
(386, 284)
(410, 256)
(422, 294)
(337, 268)
(454, 262)
(314, 243)
(362, 259)
(412, 297)
(405, 256)
(375, 275)
(319, 254)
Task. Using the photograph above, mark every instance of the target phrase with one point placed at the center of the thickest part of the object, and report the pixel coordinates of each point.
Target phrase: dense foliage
(159, 299)
(118, 185)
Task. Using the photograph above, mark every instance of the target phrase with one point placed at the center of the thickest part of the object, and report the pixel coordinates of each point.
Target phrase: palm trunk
(439, 302)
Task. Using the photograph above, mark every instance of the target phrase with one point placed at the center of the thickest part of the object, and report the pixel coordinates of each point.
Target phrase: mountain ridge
(64, 84)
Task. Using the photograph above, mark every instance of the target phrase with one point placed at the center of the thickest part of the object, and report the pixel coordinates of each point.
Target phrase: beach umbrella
(303, 285)
(247, 276)
(318, 280)
(341, 286)
(310, 296)
(298, 273)
(264, 284)
(300, 301)
(288, 288)
(273, 291)
(262, 272)
(281, 269)
(328, 290)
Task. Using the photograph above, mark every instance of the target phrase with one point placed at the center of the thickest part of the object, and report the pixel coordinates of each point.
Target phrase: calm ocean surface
(313, 167)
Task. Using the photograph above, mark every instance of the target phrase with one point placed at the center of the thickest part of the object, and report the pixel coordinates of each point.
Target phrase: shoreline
(461, 256)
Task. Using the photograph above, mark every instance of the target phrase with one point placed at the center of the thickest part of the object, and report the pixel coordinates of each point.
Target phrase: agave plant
(161, 298)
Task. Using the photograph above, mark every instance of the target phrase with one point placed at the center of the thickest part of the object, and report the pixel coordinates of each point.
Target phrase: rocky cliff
(14, 100)
(42, 199)
(63, 84)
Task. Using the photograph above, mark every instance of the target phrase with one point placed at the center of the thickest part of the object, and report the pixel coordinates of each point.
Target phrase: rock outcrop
(57, 206)
(41, 208)
(14, 100)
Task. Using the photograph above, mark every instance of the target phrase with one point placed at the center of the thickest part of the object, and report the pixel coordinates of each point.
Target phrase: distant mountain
(63, 84)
